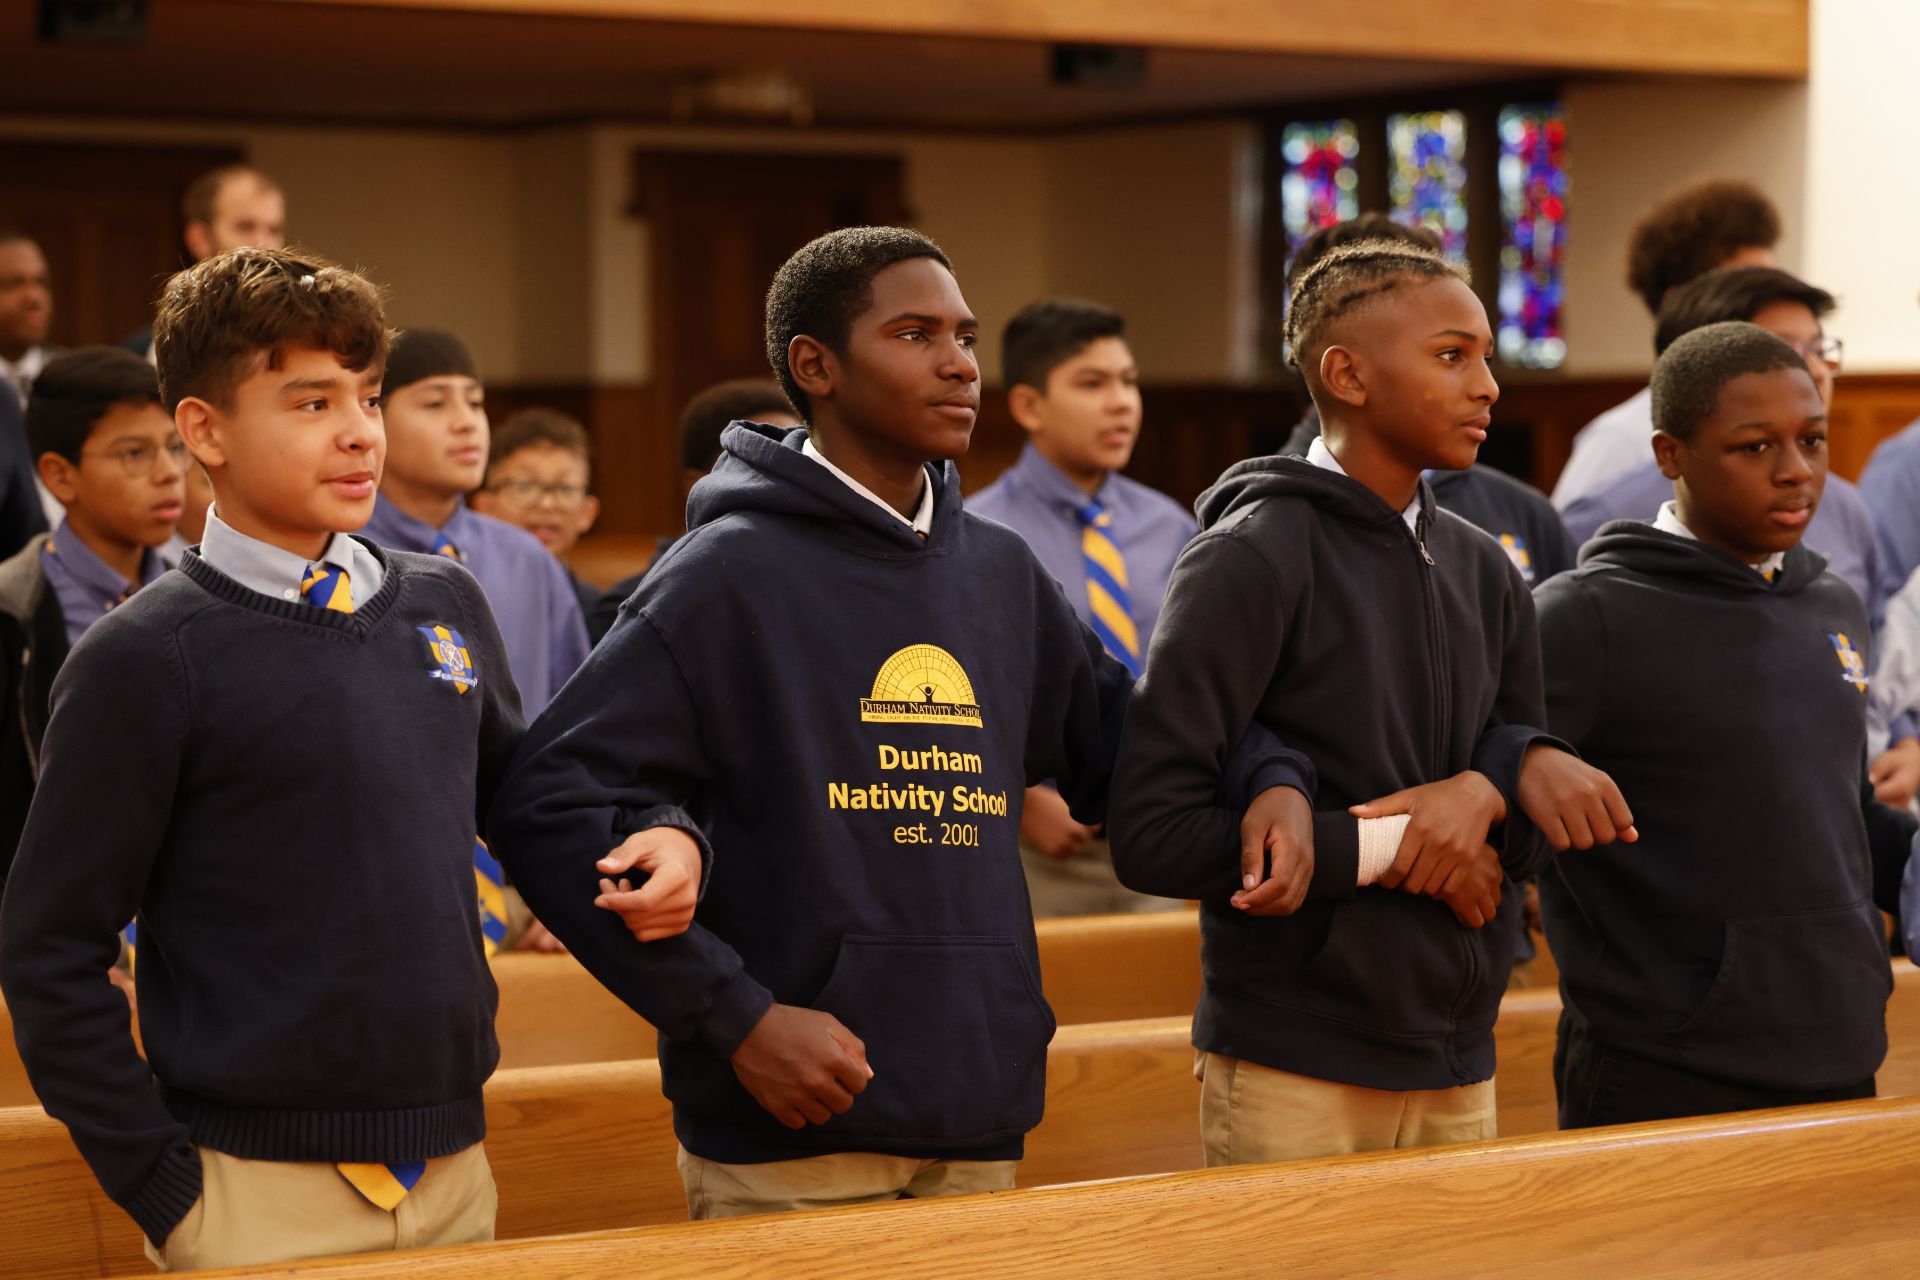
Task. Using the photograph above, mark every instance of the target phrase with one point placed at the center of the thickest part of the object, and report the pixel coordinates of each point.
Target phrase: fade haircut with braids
(1349, 279)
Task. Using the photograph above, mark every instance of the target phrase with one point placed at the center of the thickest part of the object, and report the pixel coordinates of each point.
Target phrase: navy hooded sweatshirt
(848, 716)
(1389, 659)
(1739, 937)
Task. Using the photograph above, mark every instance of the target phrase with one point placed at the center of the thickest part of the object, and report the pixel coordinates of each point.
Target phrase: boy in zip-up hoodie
(1736, 959)
(1329, 600)
(843, 682)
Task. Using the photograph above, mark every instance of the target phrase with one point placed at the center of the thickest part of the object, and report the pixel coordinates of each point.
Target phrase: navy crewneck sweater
(288, 797)
(850, 716)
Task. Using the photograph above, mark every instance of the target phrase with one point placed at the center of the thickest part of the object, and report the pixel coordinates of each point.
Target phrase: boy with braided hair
(1351, 976)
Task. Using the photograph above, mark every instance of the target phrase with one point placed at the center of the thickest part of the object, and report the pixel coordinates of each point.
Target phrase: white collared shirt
(1321, 456)
(277, 572)
(1668, 521)
(922, 522)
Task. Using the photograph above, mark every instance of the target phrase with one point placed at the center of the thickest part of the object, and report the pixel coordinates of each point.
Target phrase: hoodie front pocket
(956, 1033)
(1795, 990)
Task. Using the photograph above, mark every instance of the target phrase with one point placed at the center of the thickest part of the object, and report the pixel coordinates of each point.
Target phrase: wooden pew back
(1816, 1190)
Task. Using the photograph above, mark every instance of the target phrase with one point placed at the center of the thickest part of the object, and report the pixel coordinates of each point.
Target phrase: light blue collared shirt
(277, 572)
(86, 586)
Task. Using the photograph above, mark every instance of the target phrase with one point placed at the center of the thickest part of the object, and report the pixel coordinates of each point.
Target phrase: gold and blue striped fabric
(326, 587)
(445, 547)
(1107, 592)
(491, 879)
(130, 936)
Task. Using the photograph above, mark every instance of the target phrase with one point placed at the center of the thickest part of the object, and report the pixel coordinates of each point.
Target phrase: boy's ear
(199, 427)
(199, 241)
(812, 366)
(1340, 375)
(589, 514)
(57, 474)
(1666, 452)
(1024, 403)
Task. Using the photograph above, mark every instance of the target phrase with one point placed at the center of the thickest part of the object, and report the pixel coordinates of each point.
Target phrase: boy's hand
(802, 1065)
(1574, 804)
(1277, 830)
(663, 906)
(1449, 826)
(1473, 890)
(1896, 774)
(1049, 827)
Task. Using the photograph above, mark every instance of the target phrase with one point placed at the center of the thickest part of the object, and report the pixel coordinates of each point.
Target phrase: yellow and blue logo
(1853, 668)
(1516, 548)
(452, 662)
(921, 684)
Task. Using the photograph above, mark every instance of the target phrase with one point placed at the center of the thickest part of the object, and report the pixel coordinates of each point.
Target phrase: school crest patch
(1853, 668)
(451, 661)
(1516, 548)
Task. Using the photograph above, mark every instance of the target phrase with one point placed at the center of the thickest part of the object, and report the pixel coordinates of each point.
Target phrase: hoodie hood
(1638, 546)
(1256, 479)
(761, 469)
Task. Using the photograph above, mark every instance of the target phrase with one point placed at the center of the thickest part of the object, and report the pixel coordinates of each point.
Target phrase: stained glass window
(1533, 205)
(1321, 183)
(1427, 180)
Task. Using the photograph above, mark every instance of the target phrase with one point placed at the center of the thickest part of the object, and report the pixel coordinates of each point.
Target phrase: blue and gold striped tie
(443, 546)
(1107, 594)
(385, 1185)
(491, 880)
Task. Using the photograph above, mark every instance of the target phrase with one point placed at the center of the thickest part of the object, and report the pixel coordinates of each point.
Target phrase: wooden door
(721, 223)
(108, 220)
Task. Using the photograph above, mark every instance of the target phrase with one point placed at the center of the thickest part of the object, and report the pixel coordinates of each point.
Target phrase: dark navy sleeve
(1515, 728)
(1080, 703)
(1890, 835)
(21, 515)
(1175, 823)
(112, 754)
(1555, 550)
(618, 751)
(501, 724)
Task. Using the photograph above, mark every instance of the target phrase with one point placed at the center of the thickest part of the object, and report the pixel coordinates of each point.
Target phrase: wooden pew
(1823, 1191)
(588, 1147)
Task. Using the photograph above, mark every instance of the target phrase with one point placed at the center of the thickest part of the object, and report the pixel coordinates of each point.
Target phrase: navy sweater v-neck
(288, 798)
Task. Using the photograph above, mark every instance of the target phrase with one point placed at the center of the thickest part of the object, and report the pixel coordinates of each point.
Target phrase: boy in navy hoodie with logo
(1735, 958)
(842, 683)
(1330, 600)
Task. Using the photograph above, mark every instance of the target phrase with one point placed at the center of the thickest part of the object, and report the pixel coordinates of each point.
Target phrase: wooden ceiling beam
(1754, 38)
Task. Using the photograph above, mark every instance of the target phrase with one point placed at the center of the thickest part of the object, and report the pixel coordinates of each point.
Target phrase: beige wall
(1863, 185)
(1632, 144)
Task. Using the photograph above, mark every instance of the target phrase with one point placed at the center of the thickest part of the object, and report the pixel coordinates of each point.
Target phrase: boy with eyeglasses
(105, 446)
(540, 477)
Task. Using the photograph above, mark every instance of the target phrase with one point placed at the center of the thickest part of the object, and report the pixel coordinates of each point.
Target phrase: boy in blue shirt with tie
(1110, 542)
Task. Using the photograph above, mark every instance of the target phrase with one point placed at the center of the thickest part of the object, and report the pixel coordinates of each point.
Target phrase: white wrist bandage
(1379, 843)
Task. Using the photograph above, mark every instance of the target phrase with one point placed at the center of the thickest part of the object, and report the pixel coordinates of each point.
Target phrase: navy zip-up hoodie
(1306, 606)
(849, 717)
(1739, 937)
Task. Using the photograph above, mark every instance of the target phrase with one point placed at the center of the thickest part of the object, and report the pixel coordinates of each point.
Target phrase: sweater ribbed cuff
(168, 1196)
(672, 815)
(1336, 855)
(737, 1008)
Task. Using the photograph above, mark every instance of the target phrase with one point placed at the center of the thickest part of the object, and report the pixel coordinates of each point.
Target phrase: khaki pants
(716, 1190)
(1250, 1114)
(1084, 885)
(255, 1212)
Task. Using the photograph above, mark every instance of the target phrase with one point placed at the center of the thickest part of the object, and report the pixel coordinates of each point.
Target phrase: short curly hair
(825, 286)
(1346, 279)
(217, 316)
(1695, 230)
(1689, 376)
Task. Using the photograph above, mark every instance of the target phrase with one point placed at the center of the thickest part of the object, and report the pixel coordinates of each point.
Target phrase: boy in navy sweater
(1328, 599)
(1736, 959)
(277, 756)
(844, 683)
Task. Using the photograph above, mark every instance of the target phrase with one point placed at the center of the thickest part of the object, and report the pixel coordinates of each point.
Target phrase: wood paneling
(1703, 37)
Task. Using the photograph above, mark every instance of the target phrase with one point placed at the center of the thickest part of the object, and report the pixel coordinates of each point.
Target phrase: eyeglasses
(136, 458)
(527, 493)
(1828, 351)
